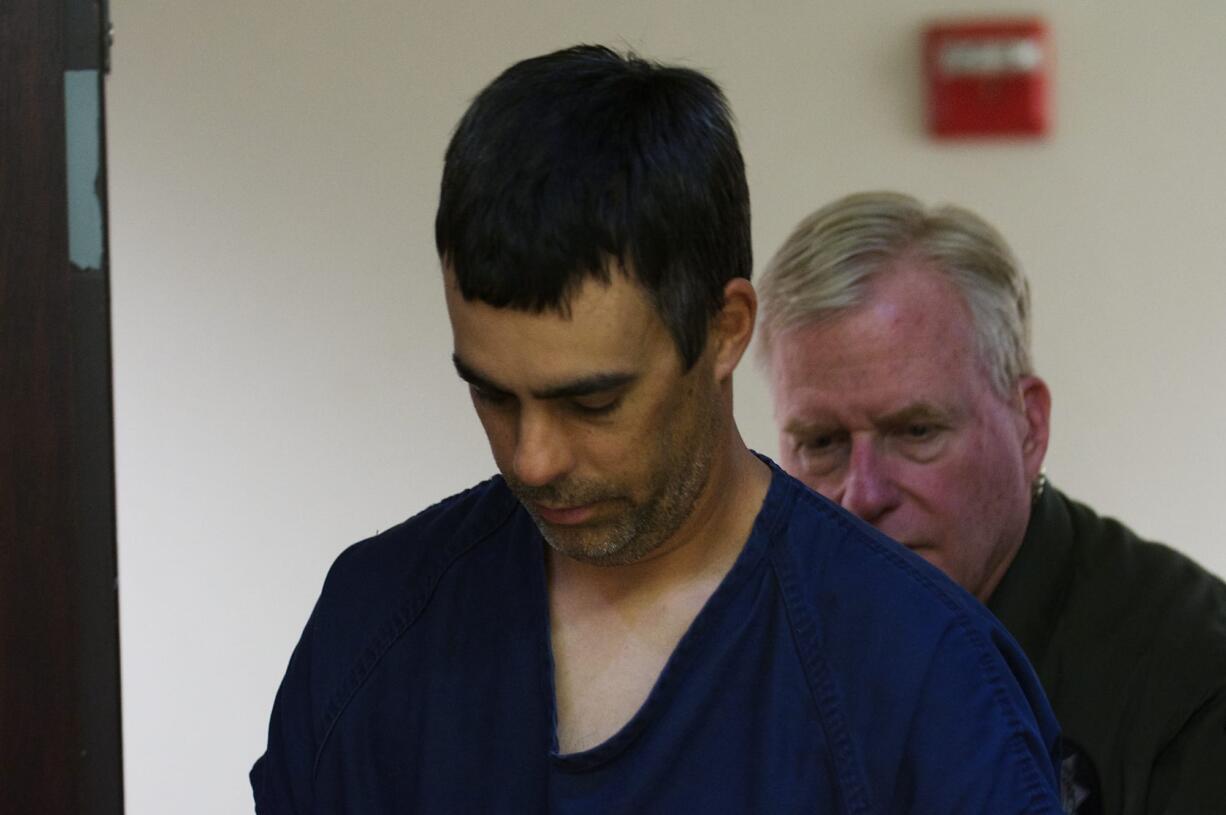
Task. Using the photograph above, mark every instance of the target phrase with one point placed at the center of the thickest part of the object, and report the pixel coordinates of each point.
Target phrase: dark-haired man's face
(591, 420)
(888, 410)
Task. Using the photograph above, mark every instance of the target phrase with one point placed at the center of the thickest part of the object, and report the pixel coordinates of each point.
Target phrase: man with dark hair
(638, 614)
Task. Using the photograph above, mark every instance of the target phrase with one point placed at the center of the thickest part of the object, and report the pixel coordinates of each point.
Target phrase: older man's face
(887, 410)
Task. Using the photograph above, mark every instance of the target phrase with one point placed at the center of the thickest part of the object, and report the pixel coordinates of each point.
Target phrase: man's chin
(585, 546)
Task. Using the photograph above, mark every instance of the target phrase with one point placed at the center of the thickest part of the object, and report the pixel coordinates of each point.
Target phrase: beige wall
(282, 382)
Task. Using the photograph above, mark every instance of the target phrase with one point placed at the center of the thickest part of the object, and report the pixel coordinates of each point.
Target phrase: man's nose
(542, 450)
(868, 490)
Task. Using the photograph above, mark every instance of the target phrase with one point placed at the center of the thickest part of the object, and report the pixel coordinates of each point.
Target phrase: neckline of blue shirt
(770, 514)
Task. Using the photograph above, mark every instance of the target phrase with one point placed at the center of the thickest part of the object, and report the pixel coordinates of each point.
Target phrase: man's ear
(732, 328)
(1036, 412)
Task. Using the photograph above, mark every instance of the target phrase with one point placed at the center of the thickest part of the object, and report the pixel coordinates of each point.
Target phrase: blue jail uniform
(832, 671)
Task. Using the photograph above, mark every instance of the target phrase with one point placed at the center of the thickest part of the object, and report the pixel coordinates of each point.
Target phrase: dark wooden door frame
(60, 744)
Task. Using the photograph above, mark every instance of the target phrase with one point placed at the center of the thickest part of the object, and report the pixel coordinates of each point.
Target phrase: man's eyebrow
(596, 383)
(584, 386)
(918, 412)
(805, 427)
(469, 375)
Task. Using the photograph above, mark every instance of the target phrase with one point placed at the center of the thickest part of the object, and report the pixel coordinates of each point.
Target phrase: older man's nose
(868, 491)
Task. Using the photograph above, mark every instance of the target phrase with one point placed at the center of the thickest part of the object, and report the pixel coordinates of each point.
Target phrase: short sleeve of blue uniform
(832, 671)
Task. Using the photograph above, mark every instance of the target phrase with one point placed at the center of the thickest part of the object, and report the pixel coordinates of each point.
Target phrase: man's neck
(613, 628)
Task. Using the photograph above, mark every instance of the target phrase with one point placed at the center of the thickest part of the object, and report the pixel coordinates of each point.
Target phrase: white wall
(282, 381)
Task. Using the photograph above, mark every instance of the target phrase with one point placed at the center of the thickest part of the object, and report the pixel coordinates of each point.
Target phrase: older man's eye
(821, 445)
(919, 441)
(818, 443)
(821, 454)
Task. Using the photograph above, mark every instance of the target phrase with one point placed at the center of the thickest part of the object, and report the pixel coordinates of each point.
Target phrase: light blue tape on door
(83, 131)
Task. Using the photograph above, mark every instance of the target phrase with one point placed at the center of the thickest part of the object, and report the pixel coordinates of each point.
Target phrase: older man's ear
(1036, 413)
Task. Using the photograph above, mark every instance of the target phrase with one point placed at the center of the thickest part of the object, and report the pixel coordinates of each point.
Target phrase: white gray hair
(823, 269)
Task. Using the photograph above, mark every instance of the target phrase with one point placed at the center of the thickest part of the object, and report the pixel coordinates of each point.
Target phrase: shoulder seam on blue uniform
(404, 617)
(962, 620)
(822, 688)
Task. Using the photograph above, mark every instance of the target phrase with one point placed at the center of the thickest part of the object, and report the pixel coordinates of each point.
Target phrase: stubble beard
(637, 532)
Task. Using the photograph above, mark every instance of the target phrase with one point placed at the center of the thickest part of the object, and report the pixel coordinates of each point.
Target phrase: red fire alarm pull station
(987, 78)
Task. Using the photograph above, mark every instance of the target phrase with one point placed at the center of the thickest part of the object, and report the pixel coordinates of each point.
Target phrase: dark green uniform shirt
(1129, 640)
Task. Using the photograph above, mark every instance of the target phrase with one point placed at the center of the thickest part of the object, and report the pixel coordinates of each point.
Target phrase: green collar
(1031, 595)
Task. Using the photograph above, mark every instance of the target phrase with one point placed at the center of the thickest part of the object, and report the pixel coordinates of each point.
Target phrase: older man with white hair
(897, 339)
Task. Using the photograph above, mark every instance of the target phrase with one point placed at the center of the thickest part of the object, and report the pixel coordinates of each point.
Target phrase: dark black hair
(570, 160)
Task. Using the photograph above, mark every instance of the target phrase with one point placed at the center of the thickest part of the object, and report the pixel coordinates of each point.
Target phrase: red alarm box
(987, 78)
